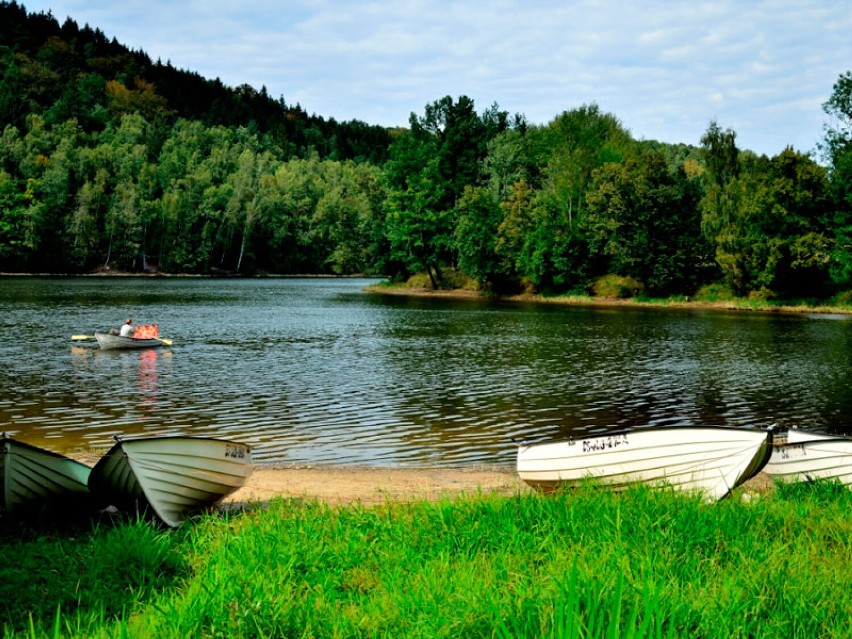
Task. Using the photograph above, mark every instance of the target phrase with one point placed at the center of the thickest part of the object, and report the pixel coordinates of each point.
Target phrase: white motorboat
(709, 460)
(170, 477)
(808, 456)
(31, 476)
(112, 342)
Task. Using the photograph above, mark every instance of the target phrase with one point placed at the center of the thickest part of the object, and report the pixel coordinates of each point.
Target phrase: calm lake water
(317, 371)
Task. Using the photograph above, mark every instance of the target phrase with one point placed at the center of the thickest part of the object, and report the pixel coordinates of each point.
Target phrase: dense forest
(112, 162)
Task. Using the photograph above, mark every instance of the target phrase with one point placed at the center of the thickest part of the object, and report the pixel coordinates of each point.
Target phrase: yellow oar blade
(167, 342)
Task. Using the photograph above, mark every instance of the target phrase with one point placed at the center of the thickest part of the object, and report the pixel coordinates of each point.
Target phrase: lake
(313, 371)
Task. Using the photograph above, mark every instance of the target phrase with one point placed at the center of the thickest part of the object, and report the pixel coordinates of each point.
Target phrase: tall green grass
(586, 563)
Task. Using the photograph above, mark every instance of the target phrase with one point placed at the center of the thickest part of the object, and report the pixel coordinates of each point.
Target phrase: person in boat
(127, 328)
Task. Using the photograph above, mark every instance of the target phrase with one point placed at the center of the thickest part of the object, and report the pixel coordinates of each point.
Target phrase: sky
(664, 68)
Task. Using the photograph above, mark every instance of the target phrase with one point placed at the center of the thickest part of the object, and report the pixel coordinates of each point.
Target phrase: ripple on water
(317, 372)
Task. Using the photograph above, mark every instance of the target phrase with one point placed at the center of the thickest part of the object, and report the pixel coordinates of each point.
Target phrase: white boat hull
(809, 456)
(31, 476)
(170, 476)
(708, 460)
(113, 342)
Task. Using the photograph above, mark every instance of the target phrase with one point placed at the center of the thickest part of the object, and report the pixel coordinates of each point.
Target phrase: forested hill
(67, 71)
(109, 162)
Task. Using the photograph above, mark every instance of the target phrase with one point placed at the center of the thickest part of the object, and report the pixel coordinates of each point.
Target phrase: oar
(167, 342)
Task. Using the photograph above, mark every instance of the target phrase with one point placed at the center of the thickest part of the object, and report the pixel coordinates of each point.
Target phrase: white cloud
(664, 68)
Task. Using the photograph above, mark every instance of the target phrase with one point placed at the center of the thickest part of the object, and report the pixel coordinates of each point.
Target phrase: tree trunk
(242, 250)
(109, 250)
(435, 276)
(246, 231)
(432, 278)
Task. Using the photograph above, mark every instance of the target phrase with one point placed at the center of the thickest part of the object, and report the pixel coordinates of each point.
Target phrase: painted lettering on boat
(787, 451)
(235, 452)
(604, 443)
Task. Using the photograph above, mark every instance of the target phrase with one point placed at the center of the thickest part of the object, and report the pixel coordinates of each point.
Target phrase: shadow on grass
(89, 564)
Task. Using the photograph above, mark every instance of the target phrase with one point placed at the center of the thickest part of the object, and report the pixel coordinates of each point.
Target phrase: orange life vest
(146, 331)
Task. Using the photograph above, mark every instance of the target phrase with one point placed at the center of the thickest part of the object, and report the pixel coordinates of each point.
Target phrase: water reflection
(316, 371)
(123, 382)
(146, 381)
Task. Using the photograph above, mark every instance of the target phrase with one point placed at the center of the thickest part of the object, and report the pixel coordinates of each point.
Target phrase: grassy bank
(581, 564)
(705, 301)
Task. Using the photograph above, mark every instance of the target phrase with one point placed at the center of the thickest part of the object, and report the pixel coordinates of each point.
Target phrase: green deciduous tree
(527, 235)
(768, 219)
(479, 216)
(427, 173)
(838, 150)
(291, 234)
(344, 216)
(643, 222)
(13, 221)
(419, 223)
(577, 142)
(252, 193)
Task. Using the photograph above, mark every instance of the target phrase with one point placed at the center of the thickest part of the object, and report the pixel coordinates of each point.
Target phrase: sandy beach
(371, 486)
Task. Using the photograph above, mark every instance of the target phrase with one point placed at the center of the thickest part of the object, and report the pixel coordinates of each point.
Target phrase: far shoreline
(384, 287)
(212, 276)
(742, 305)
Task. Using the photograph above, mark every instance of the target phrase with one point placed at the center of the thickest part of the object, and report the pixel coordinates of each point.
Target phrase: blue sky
(665, 69)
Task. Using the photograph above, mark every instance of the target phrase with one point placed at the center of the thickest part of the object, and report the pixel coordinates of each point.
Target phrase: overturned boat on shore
(32, 477)
(711, 461)
(169, 477)
(809, 456)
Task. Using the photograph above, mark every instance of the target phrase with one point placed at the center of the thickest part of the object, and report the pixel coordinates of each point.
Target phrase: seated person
(127, 329)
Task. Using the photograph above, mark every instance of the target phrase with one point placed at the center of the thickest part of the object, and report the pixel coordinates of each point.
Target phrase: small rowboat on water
(31, 476)
(808, 456)
(170, 477)
(708, 460)
(108, 342)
